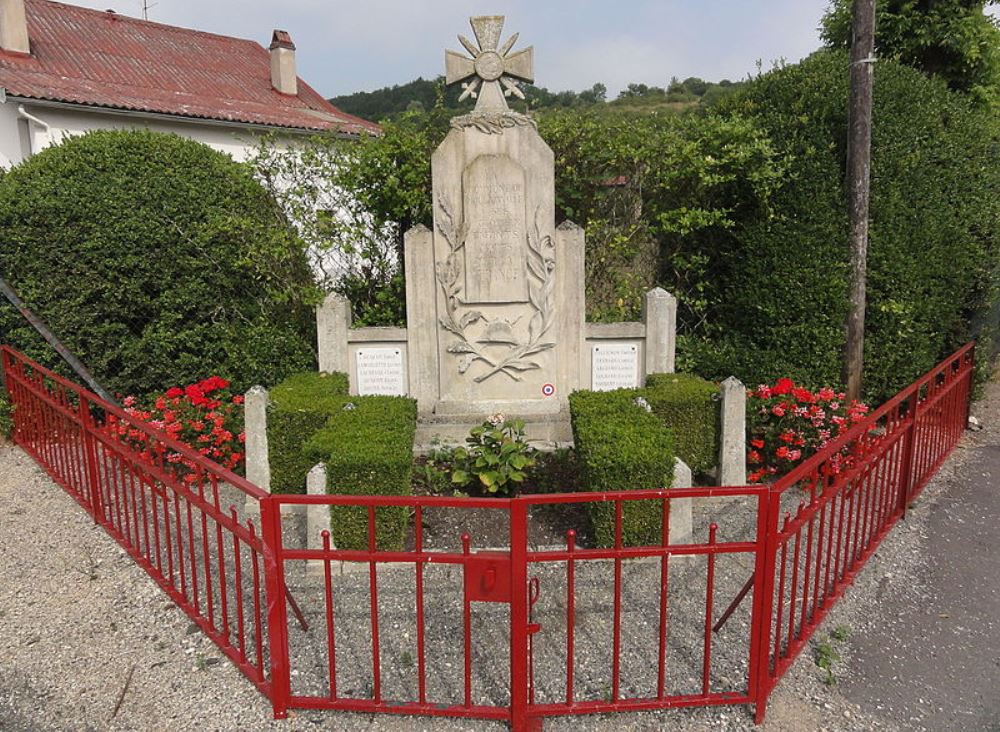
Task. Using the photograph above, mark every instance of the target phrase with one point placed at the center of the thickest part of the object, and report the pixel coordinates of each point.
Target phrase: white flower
(497, 419)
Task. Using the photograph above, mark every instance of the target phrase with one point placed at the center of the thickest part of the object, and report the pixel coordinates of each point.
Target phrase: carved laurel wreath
(541, 295)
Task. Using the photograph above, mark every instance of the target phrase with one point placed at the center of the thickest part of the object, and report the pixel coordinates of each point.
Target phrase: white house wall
(55, 124)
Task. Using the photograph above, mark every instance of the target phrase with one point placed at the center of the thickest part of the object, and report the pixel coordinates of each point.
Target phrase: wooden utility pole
(859, 156)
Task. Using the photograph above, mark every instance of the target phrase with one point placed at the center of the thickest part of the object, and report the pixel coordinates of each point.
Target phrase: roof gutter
(51, 104)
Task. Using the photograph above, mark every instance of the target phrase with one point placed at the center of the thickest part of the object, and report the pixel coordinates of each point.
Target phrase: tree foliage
(740, 210)
(353, 201)
(158, 260)
(952, 39)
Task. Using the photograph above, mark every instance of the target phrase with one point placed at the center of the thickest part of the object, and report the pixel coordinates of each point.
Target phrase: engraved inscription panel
(614, 366)
(495, 221)
(380, 371)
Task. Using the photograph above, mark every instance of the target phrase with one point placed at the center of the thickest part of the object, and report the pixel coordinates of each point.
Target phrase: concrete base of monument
(544, 431)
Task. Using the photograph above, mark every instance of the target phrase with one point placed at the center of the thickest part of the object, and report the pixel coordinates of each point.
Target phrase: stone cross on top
(494, 68)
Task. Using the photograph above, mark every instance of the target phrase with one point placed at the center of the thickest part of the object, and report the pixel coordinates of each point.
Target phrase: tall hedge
(157, 260)
(934, 231)
(622, 447)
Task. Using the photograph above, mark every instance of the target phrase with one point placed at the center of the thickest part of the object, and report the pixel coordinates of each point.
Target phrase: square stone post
(333, 320)
(681, 515)
(317, 517)
(421, 317)
(258, 466)
(659, 313)
(571, 296)
(732, 469)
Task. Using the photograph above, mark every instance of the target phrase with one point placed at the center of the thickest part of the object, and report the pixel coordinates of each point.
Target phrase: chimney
(13, 27)
(283, 76)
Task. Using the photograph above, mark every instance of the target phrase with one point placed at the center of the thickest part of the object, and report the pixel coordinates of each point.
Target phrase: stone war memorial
(495, 292)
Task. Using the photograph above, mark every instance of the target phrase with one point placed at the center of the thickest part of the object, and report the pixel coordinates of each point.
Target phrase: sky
(360, 45)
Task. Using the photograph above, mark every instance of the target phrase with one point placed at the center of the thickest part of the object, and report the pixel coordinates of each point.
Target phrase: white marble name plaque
(380, 371)
(614, 366)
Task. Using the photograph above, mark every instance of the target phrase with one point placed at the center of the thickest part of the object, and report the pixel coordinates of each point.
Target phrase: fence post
(769, 505)
(317, 517)
(519, 719)
(732, 468)
(972, 383)
(659, 313)
(906, 474)
(277, 615)
(333, 320)
(255, 426)
(90, 454)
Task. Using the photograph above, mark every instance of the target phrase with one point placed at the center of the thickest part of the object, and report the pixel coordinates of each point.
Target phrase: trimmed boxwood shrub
(689, 406)
(621, 446)
(157, 260)
(367, 446)
(299, 406)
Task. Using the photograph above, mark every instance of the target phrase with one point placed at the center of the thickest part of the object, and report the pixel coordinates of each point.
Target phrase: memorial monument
(495, 292)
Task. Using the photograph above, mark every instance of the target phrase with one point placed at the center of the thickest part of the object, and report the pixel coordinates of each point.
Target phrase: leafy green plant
(497, 456)
(432, 471)
(825, 655)
(157, 260)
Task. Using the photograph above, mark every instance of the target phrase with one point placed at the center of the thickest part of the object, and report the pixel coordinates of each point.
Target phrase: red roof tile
(104, 59)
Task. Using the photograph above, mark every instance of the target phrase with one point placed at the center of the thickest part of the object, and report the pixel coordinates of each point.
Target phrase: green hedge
(157, 260)
(299, 407)
(6, 419)
(367, 446)
(933, 259)
(621, 446)
(688, 405)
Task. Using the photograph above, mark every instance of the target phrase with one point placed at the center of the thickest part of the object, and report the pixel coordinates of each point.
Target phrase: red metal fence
(169, 517)
(518, 632)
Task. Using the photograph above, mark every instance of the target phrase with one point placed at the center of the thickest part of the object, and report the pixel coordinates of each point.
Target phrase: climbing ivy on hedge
(689, 406)
(299, 407)
(158, 260)
(367, 446)
(620, 447)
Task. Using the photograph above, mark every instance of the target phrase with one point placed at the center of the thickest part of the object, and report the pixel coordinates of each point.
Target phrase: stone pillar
(659, 312)
(255, 425)
(317, 516)
(732, 469)
(572, 312)
(681, 515)
(421, 317)
(333, 320)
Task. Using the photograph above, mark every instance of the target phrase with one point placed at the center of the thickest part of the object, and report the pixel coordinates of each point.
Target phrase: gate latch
(487, 577)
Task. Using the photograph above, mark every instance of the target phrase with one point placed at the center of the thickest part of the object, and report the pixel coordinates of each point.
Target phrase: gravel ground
(81, 623)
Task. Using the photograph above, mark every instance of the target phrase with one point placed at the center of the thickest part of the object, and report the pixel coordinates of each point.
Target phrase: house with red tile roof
(65, 70)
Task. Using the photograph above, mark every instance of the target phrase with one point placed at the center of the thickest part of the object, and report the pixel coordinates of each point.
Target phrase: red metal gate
(515, 632)
(510, 577)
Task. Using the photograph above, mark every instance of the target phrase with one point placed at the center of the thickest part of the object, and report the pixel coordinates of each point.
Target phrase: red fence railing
(181, 524)
(853, 492)
(544, 625)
